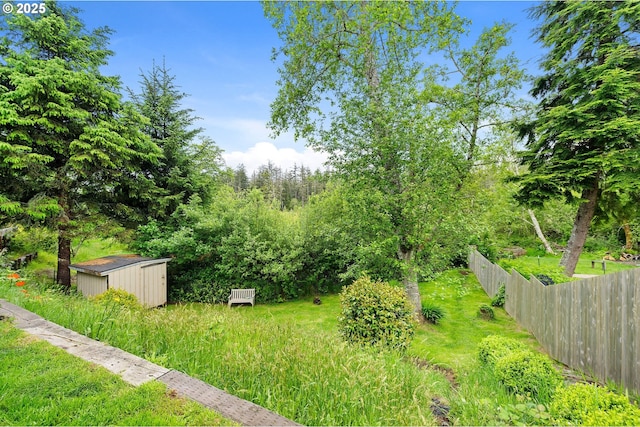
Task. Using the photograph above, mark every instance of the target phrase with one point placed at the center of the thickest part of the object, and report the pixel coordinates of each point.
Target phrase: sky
(220, 54)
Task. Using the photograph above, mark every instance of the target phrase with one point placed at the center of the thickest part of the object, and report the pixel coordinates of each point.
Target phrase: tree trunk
(628, 237)
(64, 260)
(64, 242)
(410, 280)
(536, 226)
(581, 224)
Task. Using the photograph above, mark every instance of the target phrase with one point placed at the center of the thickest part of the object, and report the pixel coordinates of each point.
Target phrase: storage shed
(146, 278)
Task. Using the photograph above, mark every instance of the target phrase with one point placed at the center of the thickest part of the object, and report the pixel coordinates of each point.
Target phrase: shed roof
(104, 266)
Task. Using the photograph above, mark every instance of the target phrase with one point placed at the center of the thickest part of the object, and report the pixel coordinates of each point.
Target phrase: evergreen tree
(585, 141)
(159, 188)
(66, 137)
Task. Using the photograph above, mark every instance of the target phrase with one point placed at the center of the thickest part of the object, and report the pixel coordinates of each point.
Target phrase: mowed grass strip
(42, 385)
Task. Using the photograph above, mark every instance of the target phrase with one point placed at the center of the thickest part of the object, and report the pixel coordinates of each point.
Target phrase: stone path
(137, 371)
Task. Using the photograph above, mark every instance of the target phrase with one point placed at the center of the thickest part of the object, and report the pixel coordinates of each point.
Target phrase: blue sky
(220, 54)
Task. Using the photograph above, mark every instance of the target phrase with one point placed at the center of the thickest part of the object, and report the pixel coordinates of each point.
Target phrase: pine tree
(585, 140)
(65, 134)
(177, 176)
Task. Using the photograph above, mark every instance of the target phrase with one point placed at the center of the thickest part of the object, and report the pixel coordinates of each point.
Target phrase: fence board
(592, 325)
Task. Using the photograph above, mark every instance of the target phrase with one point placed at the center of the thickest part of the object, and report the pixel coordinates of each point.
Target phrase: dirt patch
(440, 410)
(447, 372)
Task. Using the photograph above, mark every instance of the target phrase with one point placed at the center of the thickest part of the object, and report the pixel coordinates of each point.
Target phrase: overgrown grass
(42, 385)
(300, 370)
(477, 398)
(289, 358)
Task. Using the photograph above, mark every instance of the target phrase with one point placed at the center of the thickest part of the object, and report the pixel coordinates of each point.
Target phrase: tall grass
(308, 375)
(289, 358)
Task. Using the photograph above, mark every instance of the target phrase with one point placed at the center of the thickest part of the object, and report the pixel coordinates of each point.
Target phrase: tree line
(289, 188)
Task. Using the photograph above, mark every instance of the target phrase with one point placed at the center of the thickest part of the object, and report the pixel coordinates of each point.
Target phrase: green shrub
(118, 297)
(528, 373)
(485, 246)
(432, 313)
(494, 347)
(486, 312)
(586, 404)
(376, 314)
(499, 298)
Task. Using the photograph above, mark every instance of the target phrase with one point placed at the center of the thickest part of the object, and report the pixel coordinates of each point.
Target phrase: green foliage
(528, 373)
(494, 347)
(432, 312)
(527, 269)
(486, 312)
(591, 405)
(485, 246)
(282, 356)
(112, 304)
(376, 314)
(67, 136)
(498, 299)
(380, 134)
(528, 413)
(583, 141)
(33, 239)
(238, 241)
(189, 163)
(118, 297)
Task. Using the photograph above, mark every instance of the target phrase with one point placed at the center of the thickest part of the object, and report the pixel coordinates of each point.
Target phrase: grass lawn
(43, 385)
(289, 357)
(551, 263)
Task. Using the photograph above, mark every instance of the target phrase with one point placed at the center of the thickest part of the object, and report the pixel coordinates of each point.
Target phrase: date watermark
(24, 8)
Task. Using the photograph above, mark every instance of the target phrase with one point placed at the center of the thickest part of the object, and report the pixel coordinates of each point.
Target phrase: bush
(529, 373)
(486, 312)
(376, 314)
(432, 312)
(494, 347)
(485, 246)
(119, 298)
(499, 298)
(586, 404)
(545, 280)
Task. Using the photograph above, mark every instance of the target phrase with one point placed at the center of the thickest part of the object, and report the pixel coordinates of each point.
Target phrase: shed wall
(91, 285)
(155, 284)
(147, 283)
(129, 280)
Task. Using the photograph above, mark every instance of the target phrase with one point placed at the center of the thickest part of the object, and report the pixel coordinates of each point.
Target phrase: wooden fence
(592, 325)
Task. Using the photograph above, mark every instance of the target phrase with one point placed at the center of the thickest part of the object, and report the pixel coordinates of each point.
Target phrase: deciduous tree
(350, 84)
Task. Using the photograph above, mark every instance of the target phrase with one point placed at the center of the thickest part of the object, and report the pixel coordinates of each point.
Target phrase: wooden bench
(239, 296)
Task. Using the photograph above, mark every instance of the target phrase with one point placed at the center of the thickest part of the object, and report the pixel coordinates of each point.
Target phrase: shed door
(154, 279)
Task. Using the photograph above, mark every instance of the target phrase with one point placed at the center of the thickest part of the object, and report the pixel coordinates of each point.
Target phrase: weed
(432, 313)
(499, 298)
(486, 312)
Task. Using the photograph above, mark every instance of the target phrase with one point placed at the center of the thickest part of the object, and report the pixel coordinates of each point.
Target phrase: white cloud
(285, 158)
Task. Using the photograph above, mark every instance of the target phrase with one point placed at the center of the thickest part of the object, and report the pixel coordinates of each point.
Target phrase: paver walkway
(136, 371)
